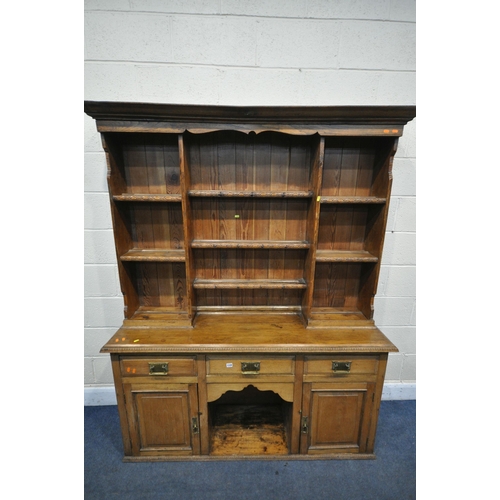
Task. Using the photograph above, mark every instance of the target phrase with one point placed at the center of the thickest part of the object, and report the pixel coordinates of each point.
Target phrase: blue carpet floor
(392, 476)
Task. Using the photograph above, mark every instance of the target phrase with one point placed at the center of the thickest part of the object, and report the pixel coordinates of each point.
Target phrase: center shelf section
(249, 219)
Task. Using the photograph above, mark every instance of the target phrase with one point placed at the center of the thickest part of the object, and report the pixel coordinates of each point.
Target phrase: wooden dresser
(248, 244)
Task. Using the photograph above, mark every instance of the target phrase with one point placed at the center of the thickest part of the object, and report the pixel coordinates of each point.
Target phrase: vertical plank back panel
(349, 167)
(331, 169)
(225, 167)
(280, 163)
(135, 165)
(160, 285)
(149, 164)
(147, 285)
(344, 227)
(349, 164)
(337, 286)
(233, 161)
(170, 291)
(249, 219)
(365, 167)
(155, 165)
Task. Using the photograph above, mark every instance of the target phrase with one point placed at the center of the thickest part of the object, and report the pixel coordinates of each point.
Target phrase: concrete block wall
(251, 52)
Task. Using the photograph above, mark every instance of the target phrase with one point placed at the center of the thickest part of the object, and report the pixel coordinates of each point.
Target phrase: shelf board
(249, 194)
(169, 198)
(269, 284)
(251, 244)
(345, 256)
(335, 317)
(353, 199)
(165, 317)
(153, 255)
(257, 310)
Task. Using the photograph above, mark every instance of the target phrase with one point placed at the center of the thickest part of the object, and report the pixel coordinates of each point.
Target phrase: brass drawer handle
(158, 368)
(341, 366)
(250, 368)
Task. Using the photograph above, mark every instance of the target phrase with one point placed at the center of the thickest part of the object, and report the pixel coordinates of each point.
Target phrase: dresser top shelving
(237, 209)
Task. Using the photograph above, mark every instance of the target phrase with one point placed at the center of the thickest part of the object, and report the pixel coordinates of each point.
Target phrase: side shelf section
(144, 181)
(353, 208)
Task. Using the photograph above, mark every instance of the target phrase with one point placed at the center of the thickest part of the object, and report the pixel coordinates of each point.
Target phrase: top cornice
(124, 111)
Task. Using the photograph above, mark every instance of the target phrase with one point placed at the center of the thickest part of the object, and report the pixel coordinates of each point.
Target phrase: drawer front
(250, 365)
(340, 365)
(159, 367)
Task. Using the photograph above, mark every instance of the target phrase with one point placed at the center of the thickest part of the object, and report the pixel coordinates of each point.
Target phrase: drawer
(340, 365)
(250, 365)
(158, 367)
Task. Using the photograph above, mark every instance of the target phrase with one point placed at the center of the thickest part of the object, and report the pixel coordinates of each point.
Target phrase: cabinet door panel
(163, 420)
(336, 419)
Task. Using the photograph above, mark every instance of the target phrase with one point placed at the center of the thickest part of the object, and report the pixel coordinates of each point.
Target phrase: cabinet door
(335, 418)
(163, 419)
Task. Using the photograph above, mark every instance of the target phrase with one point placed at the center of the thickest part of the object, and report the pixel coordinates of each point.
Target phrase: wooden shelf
(249, 310)
(270, 284)
(353, 199)
(249, 194)
(251, 244)
(337, 317)
(168, 198)
(153, 255)
(159, 317)
(345, 256)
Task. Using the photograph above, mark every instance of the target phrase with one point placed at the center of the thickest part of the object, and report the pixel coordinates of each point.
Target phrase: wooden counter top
(214, 333)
